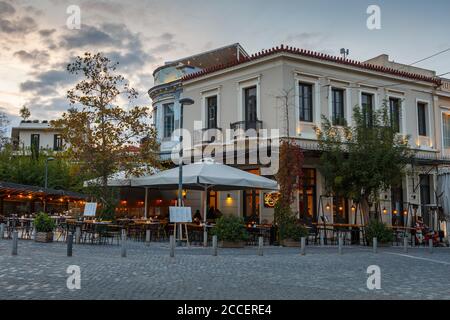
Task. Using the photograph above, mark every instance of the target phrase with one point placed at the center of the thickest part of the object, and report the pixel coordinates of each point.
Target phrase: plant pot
(44, 237)
(291, 243)
(232, 244)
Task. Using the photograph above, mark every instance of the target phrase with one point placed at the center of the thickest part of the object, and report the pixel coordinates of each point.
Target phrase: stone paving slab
(39, 272)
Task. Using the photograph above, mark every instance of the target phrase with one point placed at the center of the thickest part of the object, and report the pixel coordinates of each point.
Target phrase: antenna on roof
(344, 53)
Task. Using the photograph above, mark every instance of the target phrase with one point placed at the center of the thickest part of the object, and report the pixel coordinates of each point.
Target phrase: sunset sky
(36, 45)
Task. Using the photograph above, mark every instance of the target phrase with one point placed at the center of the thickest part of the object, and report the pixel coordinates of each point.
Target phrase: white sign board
(180, 214)
(90, 209)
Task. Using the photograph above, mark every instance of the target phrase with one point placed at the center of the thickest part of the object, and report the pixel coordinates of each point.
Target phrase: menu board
(90, 209)
(180, 214)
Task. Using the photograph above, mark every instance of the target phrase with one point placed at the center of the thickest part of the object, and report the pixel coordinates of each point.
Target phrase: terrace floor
(148, 272)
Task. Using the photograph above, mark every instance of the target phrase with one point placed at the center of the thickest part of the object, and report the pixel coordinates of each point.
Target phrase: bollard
(375, 244)
(172, 246)
(15, 241)
(2, 231)
(405, 244)
(340, 244)
(260, 246)
(77, 235)
(69, 244)
(124, 244)
(322, 240)
(430, 245)
(303, 246)
(214, 243)
(147, 236)
(205, 238)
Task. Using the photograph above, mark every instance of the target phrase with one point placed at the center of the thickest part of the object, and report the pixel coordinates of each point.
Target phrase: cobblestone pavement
(148, 272)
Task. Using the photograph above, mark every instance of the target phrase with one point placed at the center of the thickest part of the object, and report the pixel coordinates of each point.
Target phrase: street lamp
(46, 180)
(184, 101)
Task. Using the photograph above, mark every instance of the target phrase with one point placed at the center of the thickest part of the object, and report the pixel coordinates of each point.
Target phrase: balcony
(247, 125)
(207, 135)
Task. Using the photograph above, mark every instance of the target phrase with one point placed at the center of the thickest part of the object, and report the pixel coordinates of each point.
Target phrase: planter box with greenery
(230, 231)
(44, 228)
(291, 234)
(379, 230)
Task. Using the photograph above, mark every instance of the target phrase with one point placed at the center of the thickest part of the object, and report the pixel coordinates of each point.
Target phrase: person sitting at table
(197, 217)
(211, 213)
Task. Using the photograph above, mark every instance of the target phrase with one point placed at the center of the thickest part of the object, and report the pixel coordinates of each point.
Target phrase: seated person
(197, 217)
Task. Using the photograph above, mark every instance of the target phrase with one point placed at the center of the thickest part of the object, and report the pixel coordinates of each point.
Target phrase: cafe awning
(10, 188)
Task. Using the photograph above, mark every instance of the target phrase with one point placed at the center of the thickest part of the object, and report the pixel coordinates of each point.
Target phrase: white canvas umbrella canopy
(206, 175)
(118, 179)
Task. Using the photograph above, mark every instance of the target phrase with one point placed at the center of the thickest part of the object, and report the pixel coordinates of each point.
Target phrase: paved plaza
(148, 272)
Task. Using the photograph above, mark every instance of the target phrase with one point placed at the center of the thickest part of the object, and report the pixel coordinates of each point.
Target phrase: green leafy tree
(100, 133)
(25, 113)
(361, 161)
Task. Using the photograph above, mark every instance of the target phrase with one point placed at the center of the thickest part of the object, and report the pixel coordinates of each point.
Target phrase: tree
(4, 122)
(25, 113)
(101, 135)
(361, 161)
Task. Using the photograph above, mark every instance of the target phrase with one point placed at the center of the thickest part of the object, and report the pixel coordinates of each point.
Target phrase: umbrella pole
(205, 212)
(146, 203)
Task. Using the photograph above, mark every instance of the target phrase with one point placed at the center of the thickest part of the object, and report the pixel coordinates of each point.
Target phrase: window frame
(165, 116)
(208, 123)
(373, 106)
(57, 146)
(38, 140)
(444, 111)
(301, 84)
(400, 112)
(333, 106)
(426, 126)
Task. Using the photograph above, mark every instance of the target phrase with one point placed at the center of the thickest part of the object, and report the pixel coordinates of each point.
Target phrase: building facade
(289, 89)
(36, 134)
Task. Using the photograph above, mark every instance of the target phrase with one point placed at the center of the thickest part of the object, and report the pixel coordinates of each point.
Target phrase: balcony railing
(207, 135)
(247, 125)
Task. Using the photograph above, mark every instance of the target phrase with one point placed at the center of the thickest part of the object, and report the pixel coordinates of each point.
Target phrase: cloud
(34, 57)
(45, 33)
(6, 9)
(22, 25)
(86, 36)
(47, 83)
(307, 40)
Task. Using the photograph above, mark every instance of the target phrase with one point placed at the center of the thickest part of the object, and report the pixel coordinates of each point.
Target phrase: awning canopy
(119, 179)
(14, 188)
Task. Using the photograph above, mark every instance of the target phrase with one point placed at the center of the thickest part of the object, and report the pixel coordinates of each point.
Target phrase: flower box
(44, 237)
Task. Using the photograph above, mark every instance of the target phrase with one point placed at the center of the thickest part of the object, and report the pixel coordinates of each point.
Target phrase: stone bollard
(303, 246)
(69, 244)
(260, 246)
(375, 245)
(147, 236)
(205, 238)
(430, 245)
(214, 243)
(15, 242)
(124, 244)
(2, 231)
(322, 240)
(340, 244)
(77, 235)
(172, 246)
(405, 245)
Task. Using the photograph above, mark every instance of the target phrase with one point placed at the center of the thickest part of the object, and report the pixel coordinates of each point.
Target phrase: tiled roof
(316, 55)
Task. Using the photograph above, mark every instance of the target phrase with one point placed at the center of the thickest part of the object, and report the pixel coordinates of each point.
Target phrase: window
(211, 108)
(251, 114)
(338, 107)
(367, 108)
(446, 129)
(307, 197)
(422, 118)
(57, 142)
(35, 142)
(305, 102)
(169, 120)
(394, 112)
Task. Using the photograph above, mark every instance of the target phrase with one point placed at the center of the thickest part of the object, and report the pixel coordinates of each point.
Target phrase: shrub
(379, 230)
(291, 229)
(44, 223)
(230, 228)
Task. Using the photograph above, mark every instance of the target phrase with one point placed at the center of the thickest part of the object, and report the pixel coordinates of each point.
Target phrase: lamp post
(184, 101)
(46, 179)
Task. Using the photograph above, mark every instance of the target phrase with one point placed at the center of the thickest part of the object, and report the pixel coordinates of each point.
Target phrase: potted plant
(379, 230)
(44, 228)
(230, 231)
(291, 232)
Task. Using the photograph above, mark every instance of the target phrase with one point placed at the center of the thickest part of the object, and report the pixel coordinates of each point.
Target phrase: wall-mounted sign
(270, 199)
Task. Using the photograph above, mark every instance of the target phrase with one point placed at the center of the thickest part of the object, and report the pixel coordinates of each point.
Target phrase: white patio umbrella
(122, 179)
(206, 175)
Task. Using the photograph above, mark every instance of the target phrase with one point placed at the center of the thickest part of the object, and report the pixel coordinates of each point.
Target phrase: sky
(36, 45)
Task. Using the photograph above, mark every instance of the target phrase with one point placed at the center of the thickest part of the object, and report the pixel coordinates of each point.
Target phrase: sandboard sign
(180, 214)
(90, 209)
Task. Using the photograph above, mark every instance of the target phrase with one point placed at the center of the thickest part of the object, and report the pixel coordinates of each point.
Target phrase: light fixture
(327, 206)
(184, 193)
(340, 208)
(405, 212)
(395, 212)
(229, 197)
(353, 208)
(384, 210)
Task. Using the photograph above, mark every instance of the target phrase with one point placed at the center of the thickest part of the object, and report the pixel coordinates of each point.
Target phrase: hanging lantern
(384, 210)
(327, 206)
(353, 208)
(395, 212)
(405, 213)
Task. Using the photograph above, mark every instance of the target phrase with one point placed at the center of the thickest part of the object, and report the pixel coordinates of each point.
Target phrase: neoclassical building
(289, 89)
